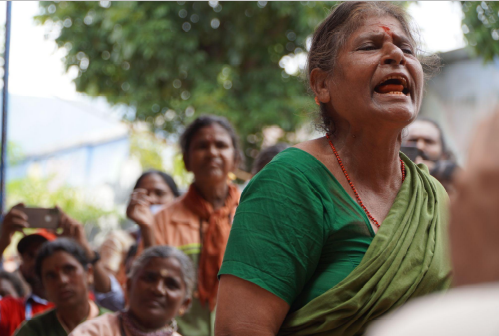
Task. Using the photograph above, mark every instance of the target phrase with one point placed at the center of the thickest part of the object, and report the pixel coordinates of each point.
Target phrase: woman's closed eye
(368, 47)
(407, 50)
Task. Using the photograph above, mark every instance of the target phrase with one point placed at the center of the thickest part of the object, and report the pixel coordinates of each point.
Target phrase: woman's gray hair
(165, 251)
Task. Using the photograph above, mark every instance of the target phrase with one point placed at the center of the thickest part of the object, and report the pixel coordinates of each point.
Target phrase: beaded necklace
(402, 167)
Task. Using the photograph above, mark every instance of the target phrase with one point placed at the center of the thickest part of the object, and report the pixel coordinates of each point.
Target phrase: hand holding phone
(14, 220)
(45, 218)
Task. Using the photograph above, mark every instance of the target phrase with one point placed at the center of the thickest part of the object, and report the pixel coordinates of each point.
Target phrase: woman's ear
(319, 84)
(184, 307)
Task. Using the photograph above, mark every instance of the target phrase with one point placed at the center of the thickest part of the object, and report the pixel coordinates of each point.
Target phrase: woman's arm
(244, 308)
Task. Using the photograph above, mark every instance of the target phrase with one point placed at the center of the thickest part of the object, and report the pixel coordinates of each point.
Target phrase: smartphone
(44, 218)
(412, 152)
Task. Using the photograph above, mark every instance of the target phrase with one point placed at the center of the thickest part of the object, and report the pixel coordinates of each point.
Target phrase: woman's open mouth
(393, 85)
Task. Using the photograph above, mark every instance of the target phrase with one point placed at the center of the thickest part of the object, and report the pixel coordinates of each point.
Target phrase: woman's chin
(212, 176)
(397, 113)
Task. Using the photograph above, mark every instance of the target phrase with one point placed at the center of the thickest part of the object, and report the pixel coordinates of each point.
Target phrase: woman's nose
(393, 55)
(212, 150)
(420, 144)
(160, 288)
(63, 278)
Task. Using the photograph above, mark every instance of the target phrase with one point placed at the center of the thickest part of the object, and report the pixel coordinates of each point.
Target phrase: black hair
(266, 155)
(167, 178)
(449, 155)
(15, 281)
(67, 245)
(208, 120)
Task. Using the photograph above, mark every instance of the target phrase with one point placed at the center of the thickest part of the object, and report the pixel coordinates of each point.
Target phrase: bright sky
(36, 68)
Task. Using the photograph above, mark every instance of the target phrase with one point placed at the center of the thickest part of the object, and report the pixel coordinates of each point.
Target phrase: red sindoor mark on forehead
(387, 30)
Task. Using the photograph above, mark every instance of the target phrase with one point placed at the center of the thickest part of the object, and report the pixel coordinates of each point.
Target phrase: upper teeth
(402, 79)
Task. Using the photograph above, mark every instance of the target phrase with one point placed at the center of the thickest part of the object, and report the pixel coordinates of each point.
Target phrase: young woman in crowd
(65, 272)
(159, 288)
(156, 189)
(337, 231)
(199, 222)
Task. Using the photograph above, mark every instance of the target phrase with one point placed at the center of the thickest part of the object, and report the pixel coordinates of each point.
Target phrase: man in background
(427, 136)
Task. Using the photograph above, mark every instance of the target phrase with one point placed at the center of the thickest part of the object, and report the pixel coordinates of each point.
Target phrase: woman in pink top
(159, 288)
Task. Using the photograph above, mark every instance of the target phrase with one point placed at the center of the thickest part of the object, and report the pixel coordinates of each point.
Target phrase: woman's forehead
(170, 264)
(380, 24)
(59, 259)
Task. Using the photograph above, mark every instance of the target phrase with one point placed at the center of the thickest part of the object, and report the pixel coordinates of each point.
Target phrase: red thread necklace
(402, 167)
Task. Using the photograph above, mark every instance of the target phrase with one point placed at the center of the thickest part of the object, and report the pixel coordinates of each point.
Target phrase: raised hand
(138, 209)
(14, 220)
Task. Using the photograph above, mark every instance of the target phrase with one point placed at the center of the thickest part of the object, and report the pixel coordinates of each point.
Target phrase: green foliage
(14, 153)
(481, 27)
(182, 177)
(175, 60)
(38, 192)
(147, 149)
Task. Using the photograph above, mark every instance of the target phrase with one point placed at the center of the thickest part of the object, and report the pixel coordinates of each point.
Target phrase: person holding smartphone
(14, 311)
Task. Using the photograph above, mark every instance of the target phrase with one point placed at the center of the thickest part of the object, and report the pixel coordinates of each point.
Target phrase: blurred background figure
(11, 285)
(266, 155)
(470, 308)
(13, 311)
(199, 222)
(66, 273)
(160, 190)
(159, 288)
(155, 189)
(426, 135)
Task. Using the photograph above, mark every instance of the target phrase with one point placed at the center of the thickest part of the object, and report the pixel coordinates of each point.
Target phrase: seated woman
(159, 288)
(199, 222)
(337, 231)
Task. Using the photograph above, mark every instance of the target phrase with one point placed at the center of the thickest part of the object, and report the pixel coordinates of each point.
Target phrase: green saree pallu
(407, 258)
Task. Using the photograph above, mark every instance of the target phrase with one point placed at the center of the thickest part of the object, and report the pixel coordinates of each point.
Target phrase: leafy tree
(172, 61)
(481, 27)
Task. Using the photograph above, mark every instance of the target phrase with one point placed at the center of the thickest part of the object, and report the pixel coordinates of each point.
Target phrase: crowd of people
(327, 237)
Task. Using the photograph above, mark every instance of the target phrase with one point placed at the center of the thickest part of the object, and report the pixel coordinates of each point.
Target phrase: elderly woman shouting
(337, 231)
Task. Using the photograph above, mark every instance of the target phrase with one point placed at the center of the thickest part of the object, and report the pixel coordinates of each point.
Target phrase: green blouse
(46, 324)
(296, 233)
